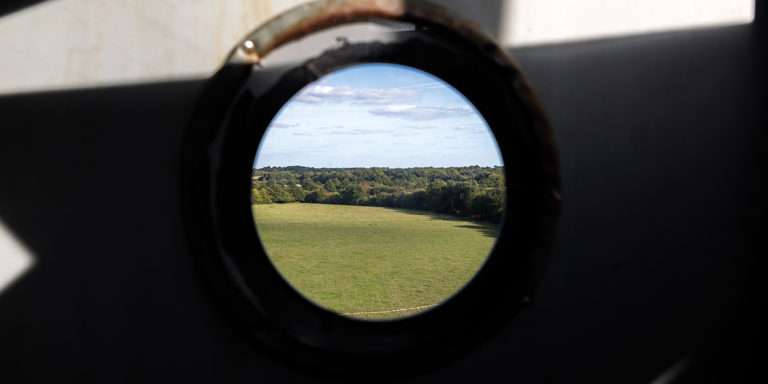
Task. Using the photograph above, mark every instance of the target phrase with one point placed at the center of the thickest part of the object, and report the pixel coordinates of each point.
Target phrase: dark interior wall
(662, 148)
(486, 14)
(661, 138)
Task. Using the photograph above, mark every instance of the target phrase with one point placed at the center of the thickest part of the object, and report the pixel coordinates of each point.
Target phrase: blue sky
(378, 115)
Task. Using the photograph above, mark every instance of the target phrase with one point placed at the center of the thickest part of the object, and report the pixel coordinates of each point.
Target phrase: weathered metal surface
(322, 14)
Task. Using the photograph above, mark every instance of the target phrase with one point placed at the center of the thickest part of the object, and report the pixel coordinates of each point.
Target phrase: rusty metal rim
(323, 14)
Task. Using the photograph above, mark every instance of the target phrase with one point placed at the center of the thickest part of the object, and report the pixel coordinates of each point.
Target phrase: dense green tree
(353, 194)
(260, 196)
(474, 191)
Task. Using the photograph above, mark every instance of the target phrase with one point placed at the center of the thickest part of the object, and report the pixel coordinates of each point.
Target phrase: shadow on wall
(10, 6)
(487, 14)
(90, 186)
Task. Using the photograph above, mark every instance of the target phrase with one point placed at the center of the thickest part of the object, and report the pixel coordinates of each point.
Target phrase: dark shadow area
(662, 141)
(488, 230)
(487, 14)
(733, 352)
(90, 185)
(11, 6)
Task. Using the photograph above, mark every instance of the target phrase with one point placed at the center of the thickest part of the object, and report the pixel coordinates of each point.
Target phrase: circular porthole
(378, 191)
(369, 186)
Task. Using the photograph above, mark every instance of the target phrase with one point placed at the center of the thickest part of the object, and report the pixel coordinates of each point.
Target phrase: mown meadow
(372, 262)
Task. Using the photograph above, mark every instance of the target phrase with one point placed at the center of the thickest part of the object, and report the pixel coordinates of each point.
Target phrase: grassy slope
(354, 259)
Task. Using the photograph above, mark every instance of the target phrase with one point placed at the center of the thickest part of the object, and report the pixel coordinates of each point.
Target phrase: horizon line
(363, 167)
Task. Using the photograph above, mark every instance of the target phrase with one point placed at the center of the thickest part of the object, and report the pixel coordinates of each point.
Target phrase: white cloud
(472, 129)
(281, 125)
(361, 96)
(360, 132)
(420, 113)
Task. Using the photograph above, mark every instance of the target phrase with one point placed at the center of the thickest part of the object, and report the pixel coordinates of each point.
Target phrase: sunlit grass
(368, 259)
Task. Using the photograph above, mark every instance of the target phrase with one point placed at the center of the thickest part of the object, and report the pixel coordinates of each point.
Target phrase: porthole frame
(224, 135)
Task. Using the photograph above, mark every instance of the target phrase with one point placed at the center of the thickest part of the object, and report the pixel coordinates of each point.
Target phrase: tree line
(476, 192)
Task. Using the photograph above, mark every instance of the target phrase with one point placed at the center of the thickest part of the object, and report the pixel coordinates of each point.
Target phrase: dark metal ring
(221, 144)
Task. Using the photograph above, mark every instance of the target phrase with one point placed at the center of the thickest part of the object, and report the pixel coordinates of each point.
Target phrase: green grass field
(353, 259)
